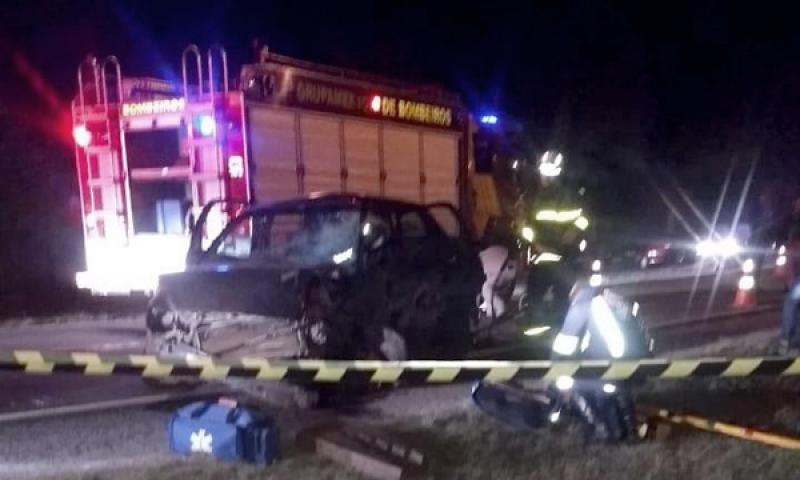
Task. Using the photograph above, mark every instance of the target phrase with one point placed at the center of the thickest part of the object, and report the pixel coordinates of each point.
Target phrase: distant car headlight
(652, 253)
(729, 247)
(726, 247)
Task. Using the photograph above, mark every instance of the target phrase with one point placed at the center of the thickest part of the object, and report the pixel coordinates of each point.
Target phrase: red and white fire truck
(151, 153)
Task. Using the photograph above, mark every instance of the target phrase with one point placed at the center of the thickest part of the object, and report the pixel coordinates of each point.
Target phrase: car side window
(238, 242)
(412, 225)
(447, 220)
(376, 230)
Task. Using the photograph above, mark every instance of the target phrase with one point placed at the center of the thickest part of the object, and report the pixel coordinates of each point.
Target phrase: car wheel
(166, 383)
(453, 332)
(159, 321)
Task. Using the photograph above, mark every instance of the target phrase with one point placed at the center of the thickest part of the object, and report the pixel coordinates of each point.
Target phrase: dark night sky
(681, 86)
(671, 67)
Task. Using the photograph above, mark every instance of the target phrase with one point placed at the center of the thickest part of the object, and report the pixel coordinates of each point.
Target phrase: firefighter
(597, 326)
(592, 330)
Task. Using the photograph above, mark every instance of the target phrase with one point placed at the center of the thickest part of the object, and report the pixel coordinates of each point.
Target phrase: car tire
(167, 383)
(454, 331)
(157, 310)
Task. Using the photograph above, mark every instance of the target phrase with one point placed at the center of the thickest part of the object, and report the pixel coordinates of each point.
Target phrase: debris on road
(347, 452)
(736, 431)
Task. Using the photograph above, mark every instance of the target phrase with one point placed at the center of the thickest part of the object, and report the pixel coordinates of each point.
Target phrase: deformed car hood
(271, 291)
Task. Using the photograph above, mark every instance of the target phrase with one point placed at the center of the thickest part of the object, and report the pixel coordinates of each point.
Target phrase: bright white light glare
(582, 245)
(607, 324)
(534, 331)
(565, 383)
(489, 119)
(206, 125)
(780, 261)
(555, 416)
(582, 223)
(550, 164)
(563, 216)
(527, 234)
(727, 247)
(549, 170)
(82, 136)
(236, 166)
(587, 339)
(515, 164)
(635, 309)
(748, 266)
(595, 280)
(547, 216)
(565, 344)
(652, 253)
(609, 388)
(116, 267)
(366, 229)
(782, 250)
(747, 282)
(343, 256)
(375, 104)
(547, 257)
(705, 248)
(597, 265)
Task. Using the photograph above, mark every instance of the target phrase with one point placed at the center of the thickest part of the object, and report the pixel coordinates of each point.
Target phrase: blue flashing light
(489, 119)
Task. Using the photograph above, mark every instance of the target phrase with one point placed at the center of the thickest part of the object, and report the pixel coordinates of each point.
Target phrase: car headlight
(726, 247)
(729, 247)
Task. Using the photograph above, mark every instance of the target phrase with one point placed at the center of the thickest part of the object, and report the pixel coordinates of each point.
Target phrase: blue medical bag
(230, 433)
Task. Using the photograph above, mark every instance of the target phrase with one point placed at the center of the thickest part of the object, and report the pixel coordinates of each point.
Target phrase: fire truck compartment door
(440, 164)
(274, 149)
(321, 152)
(401, 162)
(362, 157)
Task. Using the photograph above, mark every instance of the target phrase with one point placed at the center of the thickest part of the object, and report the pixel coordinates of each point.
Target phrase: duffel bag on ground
(226, 432)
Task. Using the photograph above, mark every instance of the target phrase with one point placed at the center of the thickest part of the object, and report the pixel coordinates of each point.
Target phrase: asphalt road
(116, 437)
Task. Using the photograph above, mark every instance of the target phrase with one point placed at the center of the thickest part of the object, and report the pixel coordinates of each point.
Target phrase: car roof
(330, 200)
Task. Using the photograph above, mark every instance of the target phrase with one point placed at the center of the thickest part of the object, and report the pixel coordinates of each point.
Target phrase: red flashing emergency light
(375, 103)
(82, 136)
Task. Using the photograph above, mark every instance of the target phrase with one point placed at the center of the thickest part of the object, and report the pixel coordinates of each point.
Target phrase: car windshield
(303, 237)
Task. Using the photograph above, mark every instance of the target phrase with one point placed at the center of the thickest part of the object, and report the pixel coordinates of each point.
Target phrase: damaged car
(334, 277)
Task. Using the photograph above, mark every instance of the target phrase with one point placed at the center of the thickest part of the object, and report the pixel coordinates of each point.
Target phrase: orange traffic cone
(746, 292)
(745, 298)
(780, 263)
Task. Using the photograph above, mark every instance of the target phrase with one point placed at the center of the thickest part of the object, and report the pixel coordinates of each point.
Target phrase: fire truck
(150, 152)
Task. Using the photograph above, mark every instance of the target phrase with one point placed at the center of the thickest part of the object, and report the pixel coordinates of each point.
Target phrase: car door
(458, 247)
(231, 277)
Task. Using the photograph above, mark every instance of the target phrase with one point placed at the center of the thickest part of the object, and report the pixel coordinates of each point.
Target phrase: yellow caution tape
(412, 371)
